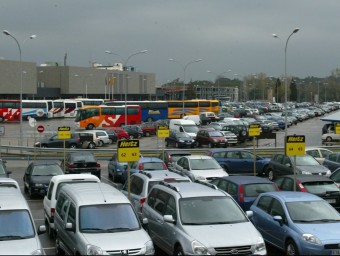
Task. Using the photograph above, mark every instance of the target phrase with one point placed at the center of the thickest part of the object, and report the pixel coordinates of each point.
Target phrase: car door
(27, 176)
(71, 236)
(55, 142)
(286, 166)
(234, 161)
(247, 162)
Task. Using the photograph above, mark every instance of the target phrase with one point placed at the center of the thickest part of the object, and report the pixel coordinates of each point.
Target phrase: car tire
(44, 146)
(91, 145)
(147, 134)
(178, 250)
(123, 138)
(73, 146)
(90, 127)
(111, 141)
(291, 248)
(139, 136)
(271, 175)
(329, 139)
(58, 249)
(110, 176)
(100, 143)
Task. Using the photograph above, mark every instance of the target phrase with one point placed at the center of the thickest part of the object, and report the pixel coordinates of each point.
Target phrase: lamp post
(286, 79)
(184, 70)
(7, 33)
(218, 80)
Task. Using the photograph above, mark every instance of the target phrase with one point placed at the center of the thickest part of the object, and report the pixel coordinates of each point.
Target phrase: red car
(121, 133)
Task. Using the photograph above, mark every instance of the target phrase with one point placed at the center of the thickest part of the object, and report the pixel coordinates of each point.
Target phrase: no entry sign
(40, 128)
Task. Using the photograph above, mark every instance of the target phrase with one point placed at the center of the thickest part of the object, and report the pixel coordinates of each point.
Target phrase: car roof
(161, 175)
(174, 152)
(292, 196)
(213, 150)
(11, 198)
(198, 157)
(314, 148)
(308, 177)
(45, 162)
(5, 182)
(150, 159)
(73, 177)
(243, 180)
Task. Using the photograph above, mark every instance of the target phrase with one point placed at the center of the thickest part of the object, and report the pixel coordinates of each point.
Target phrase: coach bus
(92, 117)
(176, 108)
(71, 107)
(90, 102)
(9, 110)
(58, 109)
(151, 110)
(38, 109)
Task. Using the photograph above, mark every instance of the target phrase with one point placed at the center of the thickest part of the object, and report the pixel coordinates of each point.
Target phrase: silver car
(192, 218)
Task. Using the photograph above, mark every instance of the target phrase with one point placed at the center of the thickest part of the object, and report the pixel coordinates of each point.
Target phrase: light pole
(184, 70)
(218, 80)
(7, 33)
(286, 79)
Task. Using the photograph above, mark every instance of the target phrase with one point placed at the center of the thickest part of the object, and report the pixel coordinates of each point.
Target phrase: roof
(192, 189)
(239, 179)
(46, 162)
(332, 117)
(307, 178)
(11, 198)
(70, 177)
(198, 157)
(161, 175)
(150, 159)
(293, 196)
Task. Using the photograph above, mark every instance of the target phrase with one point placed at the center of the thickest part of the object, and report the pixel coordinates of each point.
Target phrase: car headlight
(328, 172)
(200, 178)
(305, 172)
(38, 185)
(149, 249)
(181, 140)
(260, 246)
(311, 239)
(93, 250)
(38, 252)
(199, 249)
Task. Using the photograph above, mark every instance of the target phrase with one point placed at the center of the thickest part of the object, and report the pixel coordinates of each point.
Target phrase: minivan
(95, 219)
(181, 125)
(56, 183)
(18, 235)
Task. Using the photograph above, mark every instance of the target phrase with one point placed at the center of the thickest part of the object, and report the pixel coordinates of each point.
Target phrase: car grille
(136, 251)
(332, 246)
(239, 250)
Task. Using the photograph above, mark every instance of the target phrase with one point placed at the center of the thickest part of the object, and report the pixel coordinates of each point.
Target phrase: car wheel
(90, 127)
(271, 174)
(100, 143)
(58, 249)
(179, 250)
(147, 134)
(139, 136)
(73, 146)
(44, 146)
(91, 146)
(291, 248)
(329, 139)
(123, 138)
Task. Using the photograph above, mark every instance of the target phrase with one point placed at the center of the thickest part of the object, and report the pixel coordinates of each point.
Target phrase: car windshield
(48, 170)
(321, 187)
(15, 224)
(306, 160)
(107, 218)
(253, 190)
(151, 166)
(197, 211)
(190, 128)
(83, 158)
(183, 135)
(215, 134)
(203, 164)
(312, 211)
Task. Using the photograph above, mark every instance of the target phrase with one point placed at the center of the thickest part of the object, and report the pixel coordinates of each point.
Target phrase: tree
(293, 91)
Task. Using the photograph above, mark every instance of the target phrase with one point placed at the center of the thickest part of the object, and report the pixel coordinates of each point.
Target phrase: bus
(9, 110)
(71, 107)
(92, 117)
(90, 102)
(58, 109)
(38, 109)
(151, 110)
(191, 107)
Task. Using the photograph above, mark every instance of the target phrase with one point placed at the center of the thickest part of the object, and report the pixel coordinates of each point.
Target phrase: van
(95, 219)
(195, 118)
(99, 138)
(187, 126)
(18, 235)
(50, 199)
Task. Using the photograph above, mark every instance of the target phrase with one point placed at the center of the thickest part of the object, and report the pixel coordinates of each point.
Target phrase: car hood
(238, 234)
(214, 173)
(118, 240)
(313, 168)
(326, 232)
(20, 247)
(41, 179)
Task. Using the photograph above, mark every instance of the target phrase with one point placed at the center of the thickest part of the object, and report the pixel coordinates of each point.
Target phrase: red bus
(9, 110)
(92, 117)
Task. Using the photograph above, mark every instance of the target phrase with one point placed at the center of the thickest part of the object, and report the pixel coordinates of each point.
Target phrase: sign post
(64, 133)
(254, 130)
(163, 132)
(128, 151)
(33, 123)
(2, 133)
(40, 129)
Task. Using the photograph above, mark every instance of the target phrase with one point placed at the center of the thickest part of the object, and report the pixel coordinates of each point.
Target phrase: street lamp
(286, 79)
(218, 80)
(7, 33)
(184, 69)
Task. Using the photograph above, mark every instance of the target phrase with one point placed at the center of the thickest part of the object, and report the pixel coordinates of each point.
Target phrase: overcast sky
(226, 34)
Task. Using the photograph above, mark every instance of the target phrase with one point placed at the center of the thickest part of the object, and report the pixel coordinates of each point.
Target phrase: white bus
(58, 108)
(90, 102)
(38, 109)
(71, 107)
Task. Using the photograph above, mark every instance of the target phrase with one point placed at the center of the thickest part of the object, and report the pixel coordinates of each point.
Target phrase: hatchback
(179, 140)
(297, 223)
(134, 131)
(171, 156)
(116, 168)
(121, 133)
(54, 142)
(210, 138)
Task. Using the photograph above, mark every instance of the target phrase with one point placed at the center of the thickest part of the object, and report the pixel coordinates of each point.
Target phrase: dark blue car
(237, 161)
(244, 189)
(116, 169)
(332, 161)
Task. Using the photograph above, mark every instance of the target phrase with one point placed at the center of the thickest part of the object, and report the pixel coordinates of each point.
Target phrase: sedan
(321, 186)
(179, 140)
(244, 189)
(318, 153)
(198, 167)
(330, 137)
(38, 175)
(297, 223)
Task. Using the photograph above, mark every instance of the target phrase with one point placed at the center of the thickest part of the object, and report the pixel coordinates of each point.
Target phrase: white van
(181, 125)
(50, 199)
(18, 235)
(97, 219)
(195, 118)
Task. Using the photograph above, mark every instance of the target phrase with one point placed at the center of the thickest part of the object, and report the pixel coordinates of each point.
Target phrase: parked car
(112, 135)
(37, 177)
(238, 161)
(9, 183)
(142, 182)
(321, 186)
(54, 142)
(115, 168)
(230, 137)
(171, 157)
(148, 128)
(81, 162)
(211, 138)
(244, 189)
(3, 169)
(194, 221)
(199, 167)
(297, 223)
(280, 164)
(121, 133)
(330, 137)
(239, 130)
(332, 161)
(318, 153)
(134, 131)
(208, 117)
(179, 140)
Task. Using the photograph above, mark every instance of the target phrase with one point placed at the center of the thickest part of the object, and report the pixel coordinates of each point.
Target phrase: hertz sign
(295, 145)
(64, 133)
(128, 150)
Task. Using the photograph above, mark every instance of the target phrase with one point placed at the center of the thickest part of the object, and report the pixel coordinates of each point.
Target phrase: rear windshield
(82, 158)
(253, 190)
(321, 187)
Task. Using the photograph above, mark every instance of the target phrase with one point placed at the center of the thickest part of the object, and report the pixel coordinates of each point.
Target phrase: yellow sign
(64, 133)
(128, 150)
(163, 131)
(295, 145)
(254, 130)
(337, 128)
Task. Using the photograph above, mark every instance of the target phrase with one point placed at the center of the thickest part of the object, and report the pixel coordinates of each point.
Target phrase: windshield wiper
(119, 229)
(2, 238)
(193, 223)
(93, 229)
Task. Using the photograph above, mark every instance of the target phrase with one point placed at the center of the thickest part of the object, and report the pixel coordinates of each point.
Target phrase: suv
(142, 182)
(208, 117)
(196, 218)
(240, 130)
(211, 138)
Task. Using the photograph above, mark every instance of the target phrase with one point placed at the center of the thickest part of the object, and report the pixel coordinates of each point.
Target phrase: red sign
(40, 128)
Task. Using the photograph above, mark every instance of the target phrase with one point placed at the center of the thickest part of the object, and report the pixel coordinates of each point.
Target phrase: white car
(330, 137)
(318, 153)
(198, 167)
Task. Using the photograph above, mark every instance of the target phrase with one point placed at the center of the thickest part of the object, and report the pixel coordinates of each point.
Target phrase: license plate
(331, 201)
(336, 252)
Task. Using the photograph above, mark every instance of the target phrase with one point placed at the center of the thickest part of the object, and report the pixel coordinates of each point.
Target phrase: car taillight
(71, 166)
(140, 167)
(169, 179)
(97, 138)
(52, 213)
(141, 203)
(241, 196)
(164, 166)
(302, 188)
(77, 138)
(170, 158)
(98, 165)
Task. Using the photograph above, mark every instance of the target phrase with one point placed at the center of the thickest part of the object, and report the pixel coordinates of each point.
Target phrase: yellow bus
(178, 108)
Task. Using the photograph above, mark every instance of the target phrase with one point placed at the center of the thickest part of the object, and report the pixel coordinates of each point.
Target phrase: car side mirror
(145, 223)
(288, 165)
(9, 172)
(69, 227)
(169, 219)
(41, 229)
(249, 214)
(278, 219)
